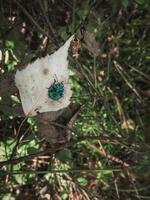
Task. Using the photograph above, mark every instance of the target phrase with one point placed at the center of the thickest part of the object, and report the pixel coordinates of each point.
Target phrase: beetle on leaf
(56, 90)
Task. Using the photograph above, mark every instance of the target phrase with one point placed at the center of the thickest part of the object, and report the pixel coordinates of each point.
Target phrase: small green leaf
(141, 2)
(31, 150)
(7, 111)
(82, 181)
(64, 155)
(31, 121)
(9, 44)
(10, 67)
(2, 172)
(64, 196)
(125, 3)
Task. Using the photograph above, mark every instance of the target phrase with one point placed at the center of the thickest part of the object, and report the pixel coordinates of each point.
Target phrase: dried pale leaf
(33, 82)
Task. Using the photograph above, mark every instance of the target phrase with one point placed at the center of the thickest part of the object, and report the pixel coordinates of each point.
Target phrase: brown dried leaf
(52, 133)
(91, 44)
(57, 132)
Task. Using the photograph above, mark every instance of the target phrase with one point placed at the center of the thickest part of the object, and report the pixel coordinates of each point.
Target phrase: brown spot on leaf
(45, 71)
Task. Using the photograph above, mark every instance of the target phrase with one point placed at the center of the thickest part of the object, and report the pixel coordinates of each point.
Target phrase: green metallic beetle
(56, 90)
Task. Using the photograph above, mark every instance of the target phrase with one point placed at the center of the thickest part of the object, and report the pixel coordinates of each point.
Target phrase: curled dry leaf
(91, 44)
(51, 133)
(58, 132)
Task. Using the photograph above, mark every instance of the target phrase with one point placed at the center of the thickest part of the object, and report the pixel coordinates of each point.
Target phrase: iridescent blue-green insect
(56, 90)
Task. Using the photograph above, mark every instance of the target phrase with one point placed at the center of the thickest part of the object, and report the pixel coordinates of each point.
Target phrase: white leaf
(33, 82)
